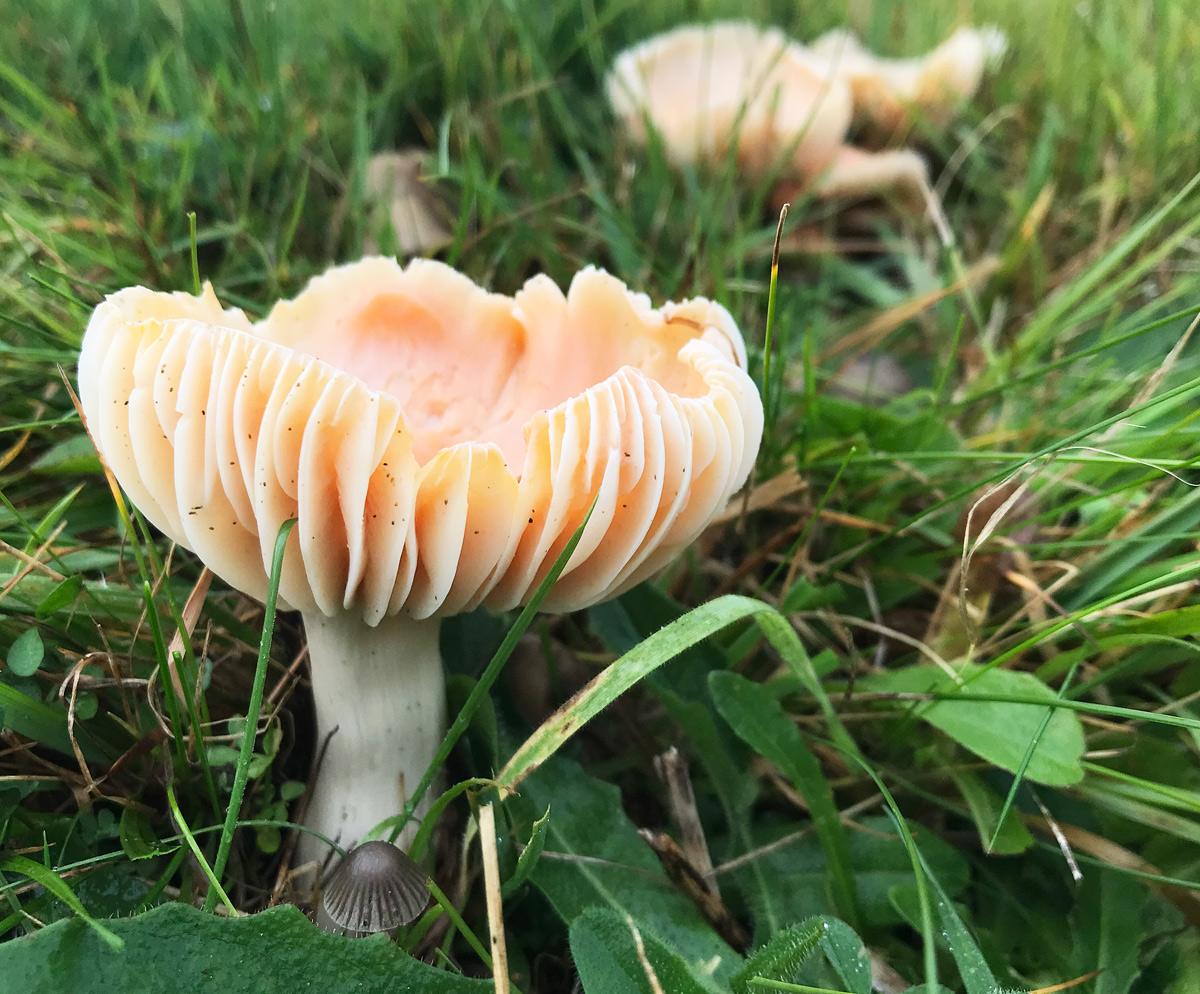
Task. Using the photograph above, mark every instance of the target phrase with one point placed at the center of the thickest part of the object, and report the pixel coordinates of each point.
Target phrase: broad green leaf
(62, 596)
(75, 456)
(121, 602)
(984, 805)
(878, 860)
(177, 947)
(649, 655)
(593, 856)
(847, 955)
(529, 855)
(640, 661)
(26, 653)
(682, 688)
(999, 733)
(137, 837)
(604, 946)
(781, 957)
(1107, 937)
(759, 720)
(47, 724)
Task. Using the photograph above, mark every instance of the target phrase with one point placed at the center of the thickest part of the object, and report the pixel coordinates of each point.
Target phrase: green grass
(1056, 368)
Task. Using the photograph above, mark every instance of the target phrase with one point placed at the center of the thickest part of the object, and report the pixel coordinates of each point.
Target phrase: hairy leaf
(605, 947)
(782, 956)
(177, 947)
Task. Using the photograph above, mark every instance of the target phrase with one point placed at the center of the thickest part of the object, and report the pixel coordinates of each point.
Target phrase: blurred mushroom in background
(400, 199)
(732, 87)
(889, 94)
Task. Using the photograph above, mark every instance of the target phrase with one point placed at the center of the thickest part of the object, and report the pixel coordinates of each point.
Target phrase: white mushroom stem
(382, 689)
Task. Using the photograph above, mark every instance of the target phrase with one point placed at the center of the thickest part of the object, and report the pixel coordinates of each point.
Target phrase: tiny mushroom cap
(375, 888)
(439, 446)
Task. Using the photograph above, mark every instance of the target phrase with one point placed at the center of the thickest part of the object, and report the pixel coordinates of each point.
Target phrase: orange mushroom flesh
(439, 445)
(706, 92)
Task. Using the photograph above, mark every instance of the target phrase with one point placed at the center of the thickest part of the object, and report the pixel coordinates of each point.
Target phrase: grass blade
(59, 888)
(240, 773)
(190, 839)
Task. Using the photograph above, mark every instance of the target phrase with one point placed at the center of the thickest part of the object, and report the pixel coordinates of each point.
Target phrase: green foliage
(26, 653)
(998, 732)
(615, 956)
(758, 719)
(985, 806)
(1107, 931)
(530, 854)
(60, 889)
(155, 143)
(799, 870)
(782, 956)
(599, 860)
(137, 835)
(175, 946)
(847, 955)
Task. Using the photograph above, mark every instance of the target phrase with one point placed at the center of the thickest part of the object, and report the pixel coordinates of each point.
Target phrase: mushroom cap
(375, 888)
(438, 444)
(888, 91)
(705, 88)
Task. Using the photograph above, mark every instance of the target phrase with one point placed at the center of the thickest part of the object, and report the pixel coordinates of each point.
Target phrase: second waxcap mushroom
(705, 91)
(439, 446)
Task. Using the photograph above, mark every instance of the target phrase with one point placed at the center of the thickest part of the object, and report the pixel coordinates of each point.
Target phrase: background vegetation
(1044, 345)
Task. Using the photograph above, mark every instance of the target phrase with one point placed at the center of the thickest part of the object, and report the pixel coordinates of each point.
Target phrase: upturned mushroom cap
(704, 88)
(439, 444)
(375, 888)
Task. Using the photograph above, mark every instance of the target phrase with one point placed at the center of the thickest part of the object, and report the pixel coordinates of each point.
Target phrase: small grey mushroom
(376, 888)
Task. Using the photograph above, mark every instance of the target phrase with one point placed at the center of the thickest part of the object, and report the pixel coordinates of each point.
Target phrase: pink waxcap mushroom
(705, 89)
(889, 93)
(439, 446)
